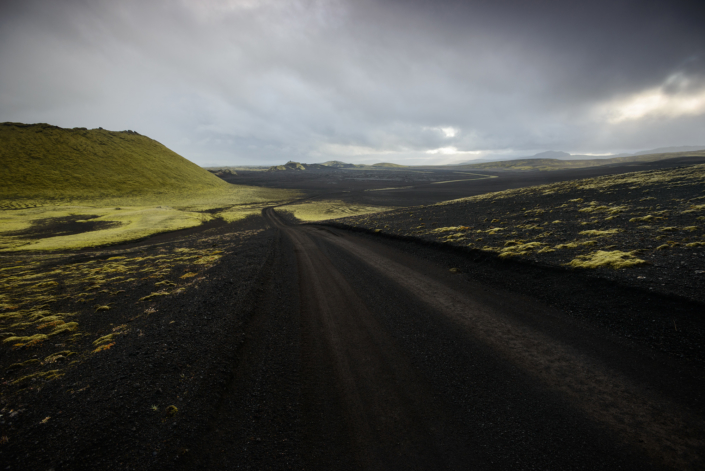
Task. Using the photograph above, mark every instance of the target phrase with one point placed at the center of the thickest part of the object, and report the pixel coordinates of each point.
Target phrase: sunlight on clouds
(656, 102)
(452, 151)
(447, 131)
(210, 7)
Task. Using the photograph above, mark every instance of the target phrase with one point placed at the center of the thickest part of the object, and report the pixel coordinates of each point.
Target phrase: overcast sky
(259, 82)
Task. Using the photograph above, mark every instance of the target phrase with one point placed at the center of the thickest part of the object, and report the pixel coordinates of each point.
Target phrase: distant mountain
(556, 164)
(550, 154)
(559, 155)
(664, 150)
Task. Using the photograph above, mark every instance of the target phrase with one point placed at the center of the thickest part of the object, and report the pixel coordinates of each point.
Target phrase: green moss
(154, 295)
(104, 339)
(165, 283)
(28, 340)
(576, 244)
(517, 249)
(600, 233)
(48, 375)
(441, 230)
(615, 259)
(16, 366)
(329, 209)
(58, 356)
(48, 162)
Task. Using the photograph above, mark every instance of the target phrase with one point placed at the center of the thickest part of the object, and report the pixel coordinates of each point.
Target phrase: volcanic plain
(353, 318)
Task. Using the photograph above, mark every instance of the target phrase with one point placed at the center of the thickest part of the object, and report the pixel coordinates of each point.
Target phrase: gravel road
(361, 355)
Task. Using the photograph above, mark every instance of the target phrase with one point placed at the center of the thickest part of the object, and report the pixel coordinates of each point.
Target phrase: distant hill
(289, 166)
(339, 164)
(557, 164)
(388, 165)
(669, 150)
(297, 166)
(44, 161)
(552, 154)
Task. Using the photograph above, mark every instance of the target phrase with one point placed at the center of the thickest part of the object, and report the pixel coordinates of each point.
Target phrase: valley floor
(310, 347)
(269, 344)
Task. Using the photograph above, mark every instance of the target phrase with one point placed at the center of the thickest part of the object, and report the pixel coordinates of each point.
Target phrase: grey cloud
(262, 82)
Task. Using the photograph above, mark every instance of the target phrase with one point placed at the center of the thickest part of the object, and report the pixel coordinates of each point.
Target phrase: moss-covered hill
(44, 161)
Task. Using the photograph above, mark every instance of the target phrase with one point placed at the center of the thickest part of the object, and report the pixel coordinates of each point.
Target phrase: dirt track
(372, 358)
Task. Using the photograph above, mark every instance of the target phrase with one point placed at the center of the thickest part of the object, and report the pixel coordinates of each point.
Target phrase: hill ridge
(46, 161)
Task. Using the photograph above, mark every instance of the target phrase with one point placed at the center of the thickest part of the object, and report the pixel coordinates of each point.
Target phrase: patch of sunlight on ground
(117, 220)
(329, 209)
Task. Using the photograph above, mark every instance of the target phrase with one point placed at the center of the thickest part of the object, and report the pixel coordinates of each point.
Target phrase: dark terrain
(317, 347)
(421, 186)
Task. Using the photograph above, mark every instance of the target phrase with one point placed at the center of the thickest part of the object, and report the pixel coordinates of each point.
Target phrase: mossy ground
(56, 311)
(27, 228)
(328, 209)
(65, 189)
(655, 217)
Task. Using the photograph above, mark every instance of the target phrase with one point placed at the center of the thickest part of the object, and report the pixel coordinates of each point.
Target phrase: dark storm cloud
(264, 81)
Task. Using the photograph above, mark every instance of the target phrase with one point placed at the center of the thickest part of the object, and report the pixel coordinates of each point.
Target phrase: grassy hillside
(556, 164)
(73, 188)
(44, 161)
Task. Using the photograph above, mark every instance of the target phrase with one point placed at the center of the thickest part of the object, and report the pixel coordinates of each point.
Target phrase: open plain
(375, 341)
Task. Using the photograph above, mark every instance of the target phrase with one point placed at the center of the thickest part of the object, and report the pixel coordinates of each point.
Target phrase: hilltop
(45, 161)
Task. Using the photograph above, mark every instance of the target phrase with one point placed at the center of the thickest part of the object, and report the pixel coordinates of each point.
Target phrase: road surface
(361, 356)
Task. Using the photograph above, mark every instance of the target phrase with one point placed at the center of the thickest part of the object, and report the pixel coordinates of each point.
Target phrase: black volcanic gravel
(110, 408)
(658, 305)
(656, 216)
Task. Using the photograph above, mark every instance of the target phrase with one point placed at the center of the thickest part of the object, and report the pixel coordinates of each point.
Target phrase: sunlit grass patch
(52, 225)
(615, 259)
(329, 209)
